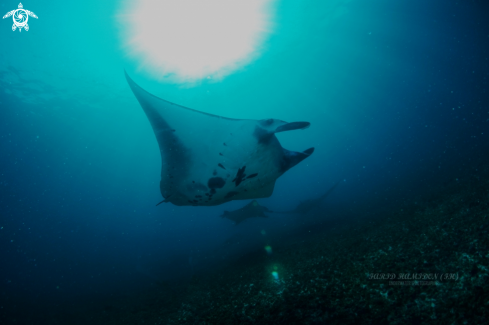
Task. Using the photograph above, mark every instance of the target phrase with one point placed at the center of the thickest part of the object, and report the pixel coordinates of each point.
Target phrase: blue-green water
(396, 93)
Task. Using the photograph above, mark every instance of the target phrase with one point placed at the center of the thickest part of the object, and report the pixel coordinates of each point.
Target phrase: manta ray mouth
(293, 126)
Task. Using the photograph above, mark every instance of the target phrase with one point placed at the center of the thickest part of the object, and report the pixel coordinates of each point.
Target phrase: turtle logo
(20, 17)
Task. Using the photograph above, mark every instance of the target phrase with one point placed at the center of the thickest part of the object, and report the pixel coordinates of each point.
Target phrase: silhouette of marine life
(251, 210)
(309, 206)
(209, 160)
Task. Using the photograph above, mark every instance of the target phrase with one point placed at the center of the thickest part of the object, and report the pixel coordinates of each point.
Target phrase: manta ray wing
(209, 160)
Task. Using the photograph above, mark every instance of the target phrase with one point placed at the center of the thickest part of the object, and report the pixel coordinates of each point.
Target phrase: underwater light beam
(194, 39)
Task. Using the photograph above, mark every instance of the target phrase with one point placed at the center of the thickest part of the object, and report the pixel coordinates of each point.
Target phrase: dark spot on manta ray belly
(240, 176)
(216, 182)
(213, 191)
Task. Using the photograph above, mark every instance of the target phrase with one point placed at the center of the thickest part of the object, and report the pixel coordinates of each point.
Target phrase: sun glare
(195, 39)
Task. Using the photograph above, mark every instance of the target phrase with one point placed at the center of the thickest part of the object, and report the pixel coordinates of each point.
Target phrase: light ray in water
(194, 39)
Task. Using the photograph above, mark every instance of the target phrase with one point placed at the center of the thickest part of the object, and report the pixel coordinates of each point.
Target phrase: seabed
(425, 261)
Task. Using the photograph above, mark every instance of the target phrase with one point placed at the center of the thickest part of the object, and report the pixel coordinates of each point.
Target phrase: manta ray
(309, 206)
(251, 210)
(208, 159)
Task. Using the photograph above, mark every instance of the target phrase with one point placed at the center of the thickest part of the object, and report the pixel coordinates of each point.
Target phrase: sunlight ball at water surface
(194, 39)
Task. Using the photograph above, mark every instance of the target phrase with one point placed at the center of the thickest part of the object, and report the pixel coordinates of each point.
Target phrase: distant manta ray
(251, 210)
(209, 160)
(311, 205)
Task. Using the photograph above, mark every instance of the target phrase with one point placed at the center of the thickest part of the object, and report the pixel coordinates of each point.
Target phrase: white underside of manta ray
(209, 160)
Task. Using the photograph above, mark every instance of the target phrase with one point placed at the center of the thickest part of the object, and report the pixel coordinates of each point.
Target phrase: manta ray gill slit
(195, 39)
